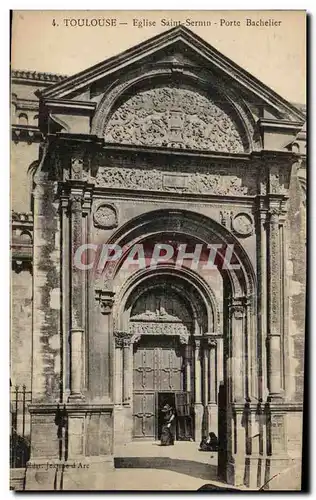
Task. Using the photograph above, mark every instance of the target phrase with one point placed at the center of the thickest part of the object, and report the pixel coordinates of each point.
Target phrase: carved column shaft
(274, 309)
(198, 372)
(127, 369)
(262, 301)
(76, 199)
(207, 375)
(188, 353)
(237, 318)
(77, 296)
(213, 370)
(118, 372)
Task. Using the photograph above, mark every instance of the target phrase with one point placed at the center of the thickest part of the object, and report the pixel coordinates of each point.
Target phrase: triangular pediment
(177, 48)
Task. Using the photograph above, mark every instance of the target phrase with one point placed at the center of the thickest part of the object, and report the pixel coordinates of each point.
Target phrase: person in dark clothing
(168, 428)
(209, 443)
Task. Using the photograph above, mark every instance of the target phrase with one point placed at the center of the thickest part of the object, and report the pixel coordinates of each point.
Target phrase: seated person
(209, 443)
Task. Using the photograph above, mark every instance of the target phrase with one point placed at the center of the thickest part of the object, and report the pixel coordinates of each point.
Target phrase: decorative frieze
(155, 180)
(159, 328)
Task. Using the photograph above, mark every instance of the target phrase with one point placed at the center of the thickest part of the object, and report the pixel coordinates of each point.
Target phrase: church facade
(167, 146)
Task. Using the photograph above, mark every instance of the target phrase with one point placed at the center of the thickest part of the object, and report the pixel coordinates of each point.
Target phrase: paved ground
(147, 465)
(151, 479)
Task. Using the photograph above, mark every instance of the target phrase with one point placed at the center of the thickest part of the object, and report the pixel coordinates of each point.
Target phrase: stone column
(198, 407)
(212, 382)
(213, 370)
(274, 307)
(188, 354)
(101, 384)
(237, 318)
(118, 385)
(185, 342)
(77, 290)
(198, 371)
(127, 369)
(206, 373)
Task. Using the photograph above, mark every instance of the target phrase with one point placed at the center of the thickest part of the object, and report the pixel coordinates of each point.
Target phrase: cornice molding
(36, 76)
(185, 39)
(65, 105)
(269, 123)
(26, 133)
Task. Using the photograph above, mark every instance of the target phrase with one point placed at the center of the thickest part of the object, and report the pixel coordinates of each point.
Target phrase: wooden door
(184, 416)
(158, 367)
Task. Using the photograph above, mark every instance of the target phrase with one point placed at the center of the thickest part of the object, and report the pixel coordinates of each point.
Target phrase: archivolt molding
(195, 226)
(184, 281)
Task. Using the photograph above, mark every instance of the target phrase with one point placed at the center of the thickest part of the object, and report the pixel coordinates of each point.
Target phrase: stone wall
(21, 328)
(296, 270)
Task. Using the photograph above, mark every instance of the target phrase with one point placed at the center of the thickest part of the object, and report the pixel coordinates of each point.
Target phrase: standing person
(168, 428)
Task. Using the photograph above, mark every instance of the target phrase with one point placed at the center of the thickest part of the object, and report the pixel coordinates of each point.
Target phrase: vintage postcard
(158, 197)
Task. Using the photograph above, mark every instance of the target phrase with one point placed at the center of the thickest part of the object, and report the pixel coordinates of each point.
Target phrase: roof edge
(38, 76)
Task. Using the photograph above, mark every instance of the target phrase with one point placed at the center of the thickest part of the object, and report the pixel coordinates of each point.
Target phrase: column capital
(76, 199)
(105, 299)
(197, 341)
(123, 339)
(237, 307)
(184, 338)
(210, 341)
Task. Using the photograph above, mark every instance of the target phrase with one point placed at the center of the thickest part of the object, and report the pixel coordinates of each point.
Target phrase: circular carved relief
(105, 216)
(242, 224)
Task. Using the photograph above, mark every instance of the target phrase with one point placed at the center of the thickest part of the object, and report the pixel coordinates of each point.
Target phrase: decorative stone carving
(36, 75)
(242, 224)
(177, 118)
(211, 342)
(76, 201)
(274, 268)
(122, 339)
(238, 308)
(152, 180)
(225, 218)
(106, 300)
(158, 328)
(76, 166)
(184, 338)
(105, 216)
(237, 312)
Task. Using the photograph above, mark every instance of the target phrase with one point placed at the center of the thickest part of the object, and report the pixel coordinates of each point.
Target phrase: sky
(275, 54)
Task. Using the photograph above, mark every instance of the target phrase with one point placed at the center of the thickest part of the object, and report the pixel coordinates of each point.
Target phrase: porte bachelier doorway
(162, 318)
(170, 361)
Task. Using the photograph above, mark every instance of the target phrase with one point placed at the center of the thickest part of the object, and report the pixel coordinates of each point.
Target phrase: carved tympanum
(177, 118)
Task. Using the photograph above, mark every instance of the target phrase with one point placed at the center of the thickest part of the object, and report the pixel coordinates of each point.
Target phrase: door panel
(171, 370)
(144, 415)
(144, 369)
(158, 366)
